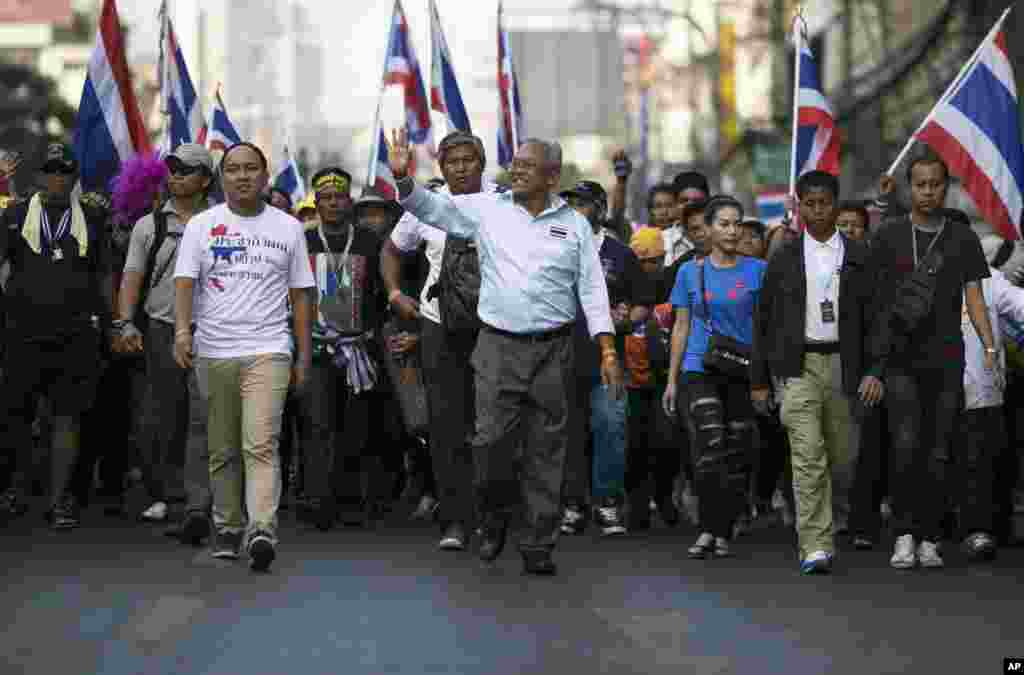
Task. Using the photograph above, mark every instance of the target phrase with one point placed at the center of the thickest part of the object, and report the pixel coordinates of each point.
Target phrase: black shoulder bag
(458, 286)
(916, 295)
(725, 356)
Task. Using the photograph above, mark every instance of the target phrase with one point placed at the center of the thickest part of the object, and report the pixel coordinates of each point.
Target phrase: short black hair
(691, 179)
(660, 188)
(817, 180)
(244, 144)
(719, 202)
(926, 156)
(287, 197)
(857, 207)
(759, 228)
(695, 207)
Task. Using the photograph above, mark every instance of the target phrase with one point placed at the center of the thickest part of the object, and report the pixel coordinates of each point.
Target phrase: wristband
(392, 295)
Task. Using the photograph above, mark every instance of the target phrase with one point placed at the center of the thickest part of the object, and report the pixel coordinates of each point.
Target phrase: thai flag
(109, 127)
(384, 180)
(445, 97)
(222, 133)
(289, 180)
(401, 68)
(771, 207)
(510, 111)
(181, 105)
(817, 137)
(976, 130)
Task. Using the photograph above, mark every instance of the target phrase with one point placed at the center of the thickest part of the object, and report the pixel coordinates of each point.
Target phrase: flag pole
(798, 45)
(952, 90)
(371, 174)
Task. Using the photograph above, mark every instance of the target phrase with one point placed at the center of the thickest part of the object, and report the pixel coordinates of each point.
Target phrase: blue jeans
(608, 425)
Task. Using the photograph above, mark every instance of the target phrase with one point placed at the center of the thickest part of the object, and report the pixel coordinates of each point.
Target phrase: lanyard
(327, 249)
(827, 291)
(52, 237)
(913, 239)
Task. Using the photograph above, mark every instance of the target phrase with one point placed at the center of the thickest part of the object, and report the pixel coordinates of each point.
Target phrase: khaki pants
(245, 398)
(822, 436)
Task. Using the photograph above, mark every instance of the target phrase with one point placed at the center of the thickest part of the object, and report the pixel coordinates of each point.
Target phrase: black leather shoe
(493, 542)
(539, 563)
(454, 538)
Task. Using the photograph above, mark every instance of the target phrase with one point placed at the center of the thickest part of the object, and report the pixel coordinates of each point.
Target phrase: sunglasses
(181, 169)
(59, 167)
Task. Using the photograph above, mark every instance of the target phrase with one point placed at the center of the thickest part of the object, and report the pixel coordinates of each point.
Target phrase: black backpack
(159, 236)
(458, 286)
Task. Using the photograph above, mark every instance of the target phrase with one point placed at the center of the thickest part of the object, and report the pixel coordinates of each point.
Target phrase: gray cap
(193, 154)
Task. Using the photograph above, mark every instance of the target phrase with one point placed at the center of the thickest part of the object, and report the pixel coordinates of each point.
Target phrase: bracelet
(392, 295)
(991, 350)
(183, 331)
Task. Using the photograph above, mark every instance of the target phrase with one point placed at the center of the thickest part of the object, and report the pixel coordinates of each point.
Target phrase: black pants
(450, 392)
(66, 372)
(720, 421)
(923, 406)
(580, 451)
(982, 440)
(524, 390)
(773, 462)
(347, 438)
(652, 449)
(870, 482)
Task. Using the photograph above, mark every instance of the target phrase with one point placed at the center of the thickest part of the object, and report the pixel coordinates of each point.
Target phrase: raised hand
(399, 153)
(886, 184)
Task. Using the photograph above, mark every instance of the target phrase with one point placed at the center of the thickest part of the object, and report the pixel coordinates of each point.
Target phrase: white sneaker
(928, 556)
(156, 512)
(903, 557)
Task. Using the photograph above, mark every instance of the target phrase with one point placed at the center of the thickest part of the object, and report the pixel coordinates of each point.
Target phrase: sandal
(703, 548)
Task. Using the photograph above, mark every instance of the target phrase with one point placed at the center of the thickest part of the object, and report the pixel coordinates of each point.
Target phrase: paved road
(115, 598)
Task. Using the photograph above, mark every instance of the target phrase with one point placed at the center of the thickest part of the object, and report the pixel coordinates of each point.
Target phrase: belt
(544, 336)
(821, 348)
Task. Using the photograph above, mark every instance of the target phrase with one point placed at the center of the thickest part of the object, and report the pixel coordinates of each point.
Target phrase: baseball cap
(60, 155)
(371, 198)
(193, 154)
(589, 190)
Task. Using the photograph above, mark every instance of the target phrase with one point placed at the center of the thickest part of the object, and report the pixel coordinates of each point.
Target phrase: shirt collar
(835, 242)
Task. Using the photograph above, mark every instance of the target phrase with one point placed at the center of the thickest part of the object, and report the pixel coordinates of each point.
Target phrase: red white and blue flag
(817, 136)
(976, 131)
(222, 134)
(510, 111)
(289, 180)
(771, 206)
(109, 127)
(185, 123)
(403, 69)
(445, 97)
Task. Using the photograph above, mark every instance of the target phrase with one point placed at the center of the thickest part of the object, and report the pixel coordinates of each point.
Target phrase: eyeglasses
(181, 169)
(59, 167)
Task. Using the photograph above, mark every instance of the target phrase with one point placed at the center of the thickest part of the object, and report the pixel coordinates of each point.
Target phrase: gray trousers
(174, 431)
(523, 389)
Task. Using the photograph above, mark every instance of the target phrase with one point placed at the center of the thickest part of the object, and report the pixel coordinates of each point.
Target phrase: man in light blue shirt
(536, 256)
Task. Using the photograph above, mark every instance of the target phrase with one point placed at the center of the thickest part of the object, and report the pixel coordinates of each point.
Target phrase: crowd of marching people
(194, 349)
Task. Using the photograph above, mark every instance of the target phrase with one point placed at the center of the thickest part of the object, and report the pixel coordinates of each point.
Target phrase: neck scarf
(37, 236)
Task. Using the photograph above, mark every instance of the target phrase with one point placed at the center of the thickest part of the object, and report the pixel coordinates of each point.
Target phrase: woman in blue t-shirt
(715, 406)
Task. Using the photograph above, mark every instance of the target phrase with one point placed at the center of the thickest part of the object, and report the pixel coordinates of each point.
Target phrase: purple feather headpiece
(140, 180)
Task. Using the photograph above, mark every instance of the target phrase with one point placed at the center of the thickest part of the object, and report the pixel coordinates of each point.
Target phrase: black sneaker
(454, 538)
(226, 545)
(195, 529)
(609, 518)
(13, 503)
(261, 551)
(574, 521)
(64, 515)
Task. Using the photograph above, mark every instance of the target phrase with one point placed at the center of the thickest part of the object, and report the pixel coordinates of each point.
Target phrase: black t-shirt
(626, 283)
(46, 298)
(938, 336)
(364, 258)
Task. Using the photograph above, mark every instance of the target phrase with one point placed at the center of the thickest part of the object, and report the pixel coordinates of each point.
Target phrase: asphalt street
(118, 598)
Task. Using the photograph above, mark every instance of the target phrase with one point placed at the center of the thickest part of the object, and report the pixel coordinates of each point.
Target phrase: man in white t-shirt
(239, 266)
(445, 354)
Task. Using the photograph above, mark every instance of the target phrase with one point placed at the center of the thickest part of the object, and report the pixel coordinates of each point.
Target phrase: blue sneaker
(818, 562)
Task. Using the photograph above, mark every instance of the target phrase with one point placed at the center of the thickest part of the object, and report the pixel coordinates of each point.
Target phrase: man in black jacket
(811, 324)
(60, 286)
